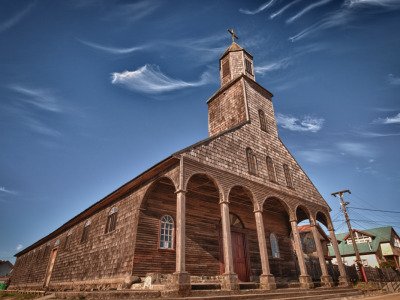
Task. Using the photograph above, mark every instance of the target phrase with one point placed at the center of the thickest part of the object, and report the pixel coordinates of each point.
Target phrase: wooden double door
(239, 255)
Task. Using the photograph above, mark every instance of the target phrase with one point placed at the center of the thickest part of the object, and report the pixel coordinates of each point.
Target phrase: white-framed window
(396, 242)
(274, 246)
(359, 238)
(166, 232)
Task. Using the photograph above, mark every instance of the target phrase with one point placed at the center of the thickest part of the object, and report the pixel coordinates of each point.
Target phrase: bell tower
(228, 107)
(235, 61)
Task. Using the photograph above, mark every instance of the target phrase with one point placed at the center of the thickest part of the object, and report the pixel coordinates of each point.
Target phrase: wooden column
(326, 280)
(181, 279)
(230, 279)
(180, 230)
(343, 280)
(267, 280)
(304, 278)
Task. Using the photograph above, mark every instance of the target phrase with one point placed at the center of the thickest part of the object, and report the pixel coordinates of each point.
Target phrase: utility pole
(343, 204)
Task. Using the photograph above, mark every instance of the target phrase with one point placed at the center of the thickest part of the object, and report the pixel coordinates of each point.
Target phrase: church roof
(233, 48)
(233, 81)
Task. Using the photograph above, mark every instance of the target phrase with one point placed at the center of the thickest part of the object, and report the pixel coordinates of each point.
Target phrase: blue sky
(92, 93)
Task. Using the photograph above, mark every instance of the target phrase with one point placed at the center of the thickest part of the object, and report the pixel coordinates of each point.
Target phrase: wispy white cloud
(14, 20)
(350, 10)
(393, 80)
(258, 10)
(273, 66)
(29, 106)
(307, 9)
(204, 49)
(367, 170)
(39, 127)
(150, 79)
(19, 247)
(3, 190)
(317, 156)
(111, 49)
(384, 109)
(132, 12)
(388, 120)
(40, 98)
(356, 149)
(308, 123)
(382, 3)
(283, 9)
(337, 18)
(370, 134)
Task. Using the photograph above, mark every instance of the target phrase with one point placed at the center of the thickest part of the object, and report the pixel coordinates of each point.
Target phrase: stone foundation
(267, 282)
(327, 281)
(229, 282)
(305, 282)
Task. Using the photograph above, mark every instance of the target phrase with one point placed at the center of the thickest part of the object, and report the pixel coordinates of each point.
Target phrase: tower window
(111, 220)
(274, 246)
(85, 233)
(263, 121)
(288, 176)
(166, 232)
(251, 161)
(271, 169)
(248, 66)
(225, 68)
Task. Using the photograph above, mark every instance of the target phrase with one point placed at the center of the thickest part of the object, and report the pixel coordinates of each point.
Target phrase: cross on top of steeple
(234, 36)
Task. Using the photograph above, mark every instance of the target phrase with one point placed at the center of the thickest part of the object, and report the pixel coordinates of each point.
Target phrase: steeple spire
(234, 36)
(235, 61)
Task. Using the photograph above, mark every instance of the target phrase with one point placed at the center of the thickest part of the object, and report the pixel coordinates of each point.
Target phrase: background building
(377, 246)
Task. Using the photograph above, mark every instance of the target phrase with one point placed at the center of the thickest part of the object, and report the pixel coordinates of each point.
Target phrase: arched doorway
(281, 253)
(244, 242)
(239, 249)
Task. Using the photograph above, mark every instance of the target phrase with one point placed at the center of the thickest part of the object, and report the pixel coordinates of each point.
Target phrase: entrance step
(282, 294)
(249, 285)
(205, 286)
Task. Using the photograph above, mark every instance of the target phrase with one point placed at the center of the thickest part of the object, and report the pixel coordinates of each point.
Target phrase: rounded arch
(323, 218)
(203, 215)
(159, 199)
(165, 183)
(243, 191)
(271, 200)
(204, 177)
(302, 213)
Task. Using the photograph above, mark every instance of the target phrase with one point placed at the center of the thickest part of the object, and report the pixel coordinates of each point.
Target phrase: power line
(363, 201)
(369, 220)
(380, 210)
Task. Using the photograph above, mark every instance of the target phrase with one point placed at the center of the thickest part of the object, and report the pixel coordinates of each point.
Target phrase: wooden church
(224, 210)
